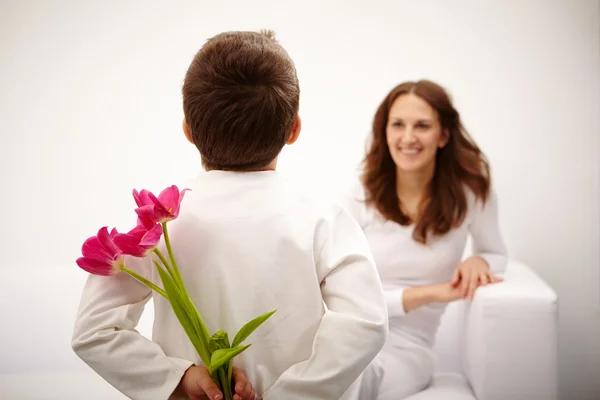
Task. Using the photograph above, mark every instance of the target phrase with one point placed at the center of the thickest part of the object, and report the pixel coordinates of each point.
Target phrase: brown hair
(459, 165)
(240, 100)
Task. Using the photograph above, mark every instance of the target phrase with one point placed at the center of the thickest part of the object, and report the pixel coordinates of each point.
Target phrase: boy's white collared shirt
(246, 243)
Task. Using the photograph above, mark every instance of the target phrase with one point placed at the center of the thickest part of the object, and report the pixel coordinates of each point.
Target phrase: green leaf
(221, 356)
(213, 346)
(218, 341)
(181, 310)
(218, 335)
(187, 305)
(250, 327)
(177, 309)
(197, 320)
(200, 332)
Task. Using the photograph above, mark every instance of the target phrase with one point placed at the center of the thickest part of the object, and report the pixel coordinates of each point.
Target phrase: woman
(425, 187)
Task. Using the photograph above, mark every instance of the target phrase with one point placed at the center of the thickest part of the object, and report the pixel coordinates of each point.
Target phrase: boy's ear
(295, 131)
(188, 132)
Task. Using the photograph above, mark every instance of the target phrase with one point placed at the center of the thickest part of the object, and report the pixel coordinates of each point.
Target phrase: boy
(246, 243)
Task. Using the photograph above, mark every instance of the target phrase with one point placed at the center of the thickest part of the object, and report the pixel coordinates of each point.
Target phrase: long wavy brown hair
(460, 164)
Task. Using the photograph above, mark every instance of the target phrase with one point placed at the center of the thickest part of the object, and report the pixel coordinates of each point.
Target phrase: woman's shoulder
(477, 203)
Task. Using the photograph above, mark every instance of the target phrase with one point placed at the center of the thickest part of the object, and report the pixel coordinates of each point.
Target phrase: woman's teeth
(409, 151)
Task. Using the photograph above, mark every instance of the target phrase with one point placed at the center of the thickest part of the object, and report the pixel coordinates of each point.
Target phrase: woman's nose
(408, 136)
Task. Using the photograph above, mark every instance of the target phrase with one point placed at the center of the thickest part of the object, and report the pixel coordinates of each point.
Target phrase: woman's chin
(412, 166)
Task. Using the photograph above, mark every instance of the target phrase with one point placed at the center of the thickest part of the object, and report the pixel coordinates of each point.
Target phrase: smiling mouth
(410, 152)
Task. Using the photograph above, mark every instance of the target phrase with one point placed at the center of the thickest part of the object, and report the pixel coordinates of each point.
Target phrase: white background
(90, 107)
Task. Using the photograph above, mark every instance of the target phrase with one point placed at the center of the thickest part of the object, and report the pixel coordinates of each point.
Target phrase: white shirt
(402, 262)
(246, 244)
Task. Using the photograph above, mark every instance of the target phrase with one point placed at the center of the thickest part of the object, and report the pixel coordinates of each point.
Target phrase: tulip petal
(145, 222)
(96, 267)
(142, 198)
(92, 248)
(183, 194)
(157, 213)
(158, 206)
(152, 237)
(169, 197)
(107, 241)
(139, 231)
(129, 245)
(178, 205)
(137, 198)
(146, 212)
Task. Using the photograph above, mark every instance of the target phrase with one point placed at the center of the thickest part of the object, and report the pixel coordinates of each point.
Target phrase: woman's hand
(445, 293)
(467, 277)
(470, 274)
(419, 296)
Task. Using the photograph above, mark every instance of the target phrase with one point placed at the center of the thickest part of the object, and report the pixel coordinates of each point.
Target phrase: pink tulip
(143, 199)
(139, 242)
(100, 254)
(158, 210)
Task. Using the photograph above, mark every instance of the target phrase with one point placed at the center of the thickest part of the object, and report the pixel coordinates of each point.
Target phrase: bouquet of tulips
(104, 254)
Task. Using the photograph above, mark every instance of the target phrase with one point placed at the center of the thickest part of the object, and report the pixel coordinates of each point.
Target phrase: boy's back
(246, 243)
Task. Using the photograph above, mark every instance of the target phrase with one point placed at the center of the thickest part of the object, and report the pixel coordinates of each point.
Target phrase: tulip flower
(105, 254)
(159, 209)
(100, 254)
(139, 242)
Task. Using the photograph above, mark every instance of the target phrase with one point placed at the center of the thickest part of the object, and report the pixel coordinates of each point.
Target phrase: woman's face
(414, 134)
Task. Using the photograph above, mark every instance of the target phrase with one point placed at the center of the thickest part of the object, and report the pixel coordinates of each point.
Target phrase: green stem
(164, 262)
(187, 303)
(188, 307)
(144, 281)
(157, 265)
(230, 373)
(172, 256)
(225, 384)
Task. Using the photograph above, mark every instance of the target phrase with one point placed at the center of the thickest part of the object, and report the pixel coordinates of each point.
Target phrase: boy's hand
(243, 387)
(197, 384)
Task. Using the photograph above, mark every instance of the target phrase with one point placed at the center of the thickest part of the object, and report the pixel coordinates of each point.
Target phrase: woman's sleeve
(486, 237)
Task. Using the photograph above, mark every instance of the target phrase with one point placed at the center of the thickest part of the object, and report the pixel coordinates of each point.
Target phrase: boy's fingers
(208, 385)
(243, 387)
(239, 376)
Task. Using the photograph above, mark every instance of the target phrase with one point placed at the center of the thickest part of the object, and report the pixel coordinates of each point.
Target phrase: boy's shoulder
(310, 197)
(263, 194)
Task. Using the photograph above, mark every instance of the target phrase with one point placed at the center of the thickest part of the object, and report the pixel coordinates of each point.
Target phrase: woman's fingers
(456, 277)
(484, 278)
(473, 283)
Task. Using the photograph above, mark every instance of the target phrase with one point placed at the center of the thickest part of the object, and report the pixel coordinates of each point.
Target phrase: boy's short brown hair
(240, 100)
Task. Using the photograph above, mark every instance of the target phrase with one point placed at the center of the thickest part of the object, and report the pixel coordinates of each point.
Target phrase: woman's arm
(486, 238)
(489, 251)
(402, 301)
